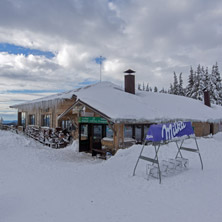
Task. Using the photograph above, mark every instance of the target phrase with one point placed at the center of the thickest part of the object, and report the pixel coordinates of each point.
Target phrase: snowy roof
(144, 106)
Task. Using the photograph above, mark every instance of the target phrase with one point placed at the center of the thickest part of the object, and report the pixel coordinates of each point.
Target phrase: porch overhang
(81, 103)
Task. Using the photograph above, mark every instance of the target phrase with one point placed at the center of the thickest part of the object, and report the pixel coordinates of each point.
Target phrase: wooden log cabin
(105, 115)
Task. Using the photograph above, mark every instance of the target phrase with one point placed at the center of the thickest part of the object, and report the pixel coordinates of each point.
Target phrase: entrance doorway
(90, 136)
(97, 135)
(84, 138)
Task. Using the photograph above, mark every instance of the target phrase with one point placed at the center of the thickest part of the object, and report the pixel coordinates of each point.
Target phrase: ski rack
(157, 146)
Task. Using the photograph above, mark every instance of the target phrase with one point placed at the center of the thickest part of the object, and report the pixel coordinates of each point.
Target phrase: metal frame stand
(155, 160)
(181, 147)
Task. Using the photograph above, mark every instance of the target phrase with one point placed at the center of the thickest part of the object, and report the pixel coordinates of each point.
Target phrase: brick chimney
(206, 97)
(130, 81)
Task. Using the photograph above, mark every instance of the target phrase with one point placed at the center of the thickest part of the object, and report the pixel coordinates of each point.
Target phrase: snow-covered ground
(41, 184)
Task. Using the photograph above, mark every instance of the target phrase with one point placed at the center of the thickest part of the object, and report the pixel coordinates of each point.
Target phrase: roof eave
(87, 105)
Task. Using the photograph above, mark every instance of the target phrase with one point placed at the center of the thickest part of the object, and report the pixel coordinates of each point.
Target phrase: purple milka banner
(169, 131)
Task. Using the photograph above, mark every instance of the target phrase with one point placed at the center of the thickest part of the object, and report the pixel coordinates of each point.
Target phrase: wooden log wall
(204, 129)
(201, 128)
(54, 112)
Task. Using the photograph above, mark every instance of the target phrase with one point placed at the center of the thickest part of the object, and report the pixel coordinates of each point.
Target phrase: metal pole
(178, 147)
(156, 157)
(100, 62)
(199, 153)
(134, 171)
(156, 151)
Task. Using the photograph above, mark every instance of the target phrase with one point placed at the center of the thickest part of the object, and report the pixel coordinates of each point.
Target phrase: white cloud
(153, 37)
(8, 99)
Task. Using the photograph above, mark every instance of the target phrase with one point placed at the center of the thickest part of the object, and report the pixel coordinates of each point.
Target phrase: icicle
(41, 104)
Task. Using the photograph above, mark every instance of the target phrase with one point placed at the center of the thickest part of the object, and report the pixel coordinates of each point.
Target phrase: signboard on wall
(87, 114)
(169, 131)
(98, 120)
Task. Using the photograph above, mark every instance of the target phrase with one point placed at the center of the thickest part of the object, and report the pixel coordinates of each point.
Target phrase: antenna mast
(100, 62)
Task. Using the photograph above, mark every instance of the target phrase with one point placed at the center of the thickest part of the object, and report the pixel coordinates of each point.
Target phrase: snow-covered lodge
(105, 114)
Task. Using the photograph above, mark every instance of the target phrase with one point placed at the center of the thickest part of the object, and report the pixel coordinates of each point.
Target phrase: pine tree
(143, 86)
(163, 91)
(215, 85)
(155, 89)
(218, 85)
(198, 84)
(170, 91)
(206, 79)
(139, 86)
(147, 87)
(175, 85)
(199, 81)
(213, 93)
(180, 86)
(190, 87)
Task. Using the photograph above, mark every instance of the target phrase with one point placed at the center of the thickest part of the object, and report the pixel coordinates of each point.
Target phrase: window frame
(31, 119)
(142, 125)
(23, 119)
(46, 120)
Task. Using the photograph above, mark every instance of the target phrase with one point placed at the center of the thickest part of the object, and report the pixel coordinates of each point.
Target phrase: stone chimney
(130, 81)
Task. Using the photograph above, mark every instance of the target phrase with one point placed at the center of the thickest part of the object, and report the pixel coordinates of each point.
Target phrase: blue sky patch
(99, 60)
(86, 82)
(27, 91)
(16, 50)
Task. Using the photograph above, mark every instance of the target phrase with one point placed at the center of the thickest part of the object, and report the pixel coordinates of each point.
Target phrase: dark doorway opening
(84, 138)
(212, 128)
(90, 136)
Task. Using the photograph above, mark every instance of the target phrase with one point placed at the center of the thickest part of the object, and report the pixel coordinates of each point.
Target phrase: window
(97, 132)
(23, 119)
(146, 128)
(128, 131)
(31, 119)
(46, 120)
(138, 133)
(84, 132)
(109, 132)
(66, 124)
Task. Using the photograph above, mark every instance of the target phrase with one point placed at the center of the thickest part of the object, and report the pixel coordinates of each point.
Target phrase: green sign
(92, 120)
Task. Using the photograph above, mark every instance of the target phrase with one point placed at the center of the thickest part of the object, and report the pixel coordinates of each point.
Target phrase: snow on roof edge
(59, 97)
(163, 120)
(89, 98)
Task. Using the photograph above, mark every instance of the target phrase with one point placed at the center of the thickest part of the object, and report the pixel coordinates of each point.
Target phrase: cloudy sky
(49, 46)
